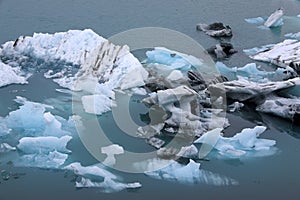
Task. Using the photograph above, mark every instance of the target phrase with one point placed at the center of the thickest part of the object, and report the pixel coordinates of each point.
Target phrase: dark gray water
(275, 177)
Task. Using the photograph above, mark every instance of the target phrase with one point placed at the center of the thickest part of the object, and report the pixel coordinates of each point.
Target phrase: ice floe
(283, 54)
(4, 147)
(243, 144)
(11, 75)
(190, 174)
(293, 35)
(110, 152)
(45, 144)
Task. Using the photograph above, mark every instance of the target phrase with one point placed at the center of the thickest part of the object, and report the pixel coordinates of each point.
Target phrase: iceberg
(283, 54)
(50, 160)
(111, 151)
(235, 106)
(97, 104)
(275, 19)
(46, 144)
(108, 185)
(252, 73)
(72, 46)
(243, 144)
(215, 29)
(288, 108)
(10, 75)
(190, 174)
(243, 89)
(222, 50)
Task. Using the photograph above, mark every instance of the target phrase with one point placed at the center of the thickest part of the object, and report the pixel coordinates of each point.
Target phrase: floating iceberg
(108, 185)
(4, 147)
(243, 89)
(288, 108)
(72, 46)
(222, 50)
(10, 75)
(283, 54)
(190, 174)
(111, 151)
(243, 144)
(46, 144)
(274, 20)
(251, 72)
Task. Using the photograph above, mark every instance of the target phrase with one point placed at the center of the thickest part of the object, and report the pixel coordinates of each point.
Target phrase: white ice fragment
(10, 75)
(111, 151)
(190, 174)
(293, 35)
(256, 20)
(235, 106)
(94, 171)
(188, 152)
(53, 126)
(46, 144)
(108, 185)
(275, 19)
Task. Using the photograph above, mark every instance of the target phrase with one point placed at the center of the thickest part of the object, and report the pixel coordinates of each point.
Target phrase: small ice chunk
(235, 106)
(10, 75)
(32, 145)
(255, 20)
(53, 126)
(293, 35)
(94, 171)
(108, 185)
(190, 174)
(188, 152)
(111, 151)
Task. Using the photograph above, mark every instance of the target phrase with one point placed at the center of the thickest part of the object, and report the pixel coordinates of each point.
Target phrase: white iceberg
(243, 144)
(190, 174)
(72, 46)
(108, 185)
(255, 20)
(251, 72)
(10, 75)
(111, 151)
(50, 160)
(46, 144)
(275, 19)
(97, 104)
(288, 108)
(283, 54)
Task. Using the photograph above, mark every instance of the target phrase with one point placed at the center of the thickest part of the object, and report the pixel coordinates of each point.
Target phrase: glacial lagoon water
(274, 177)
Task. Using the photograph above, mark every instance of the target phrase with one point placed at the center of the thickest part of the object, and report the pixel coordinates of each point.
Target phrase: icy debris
(243, 89)
(255, 20)
(97, 104)
(4, 130)
(283, 54)
(252, 72)
(275, 19)
(72, 46)
(246, 143)
(11, 75)
(190, 174)
(4, 147)
(111, 151)
(155, 142)
(215, 29)
(108, 185)
(46, 144)
(288, 108)
(50, 160)
(92, 172)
